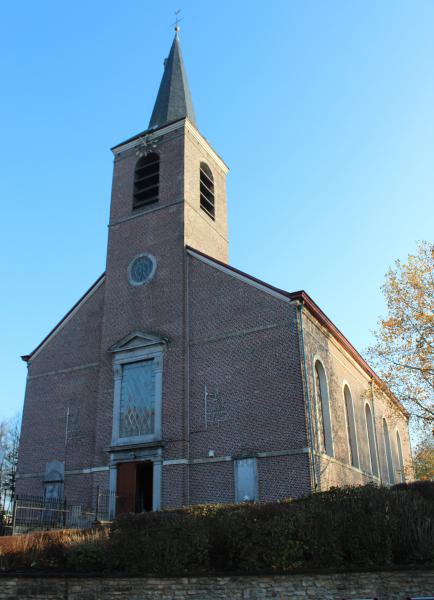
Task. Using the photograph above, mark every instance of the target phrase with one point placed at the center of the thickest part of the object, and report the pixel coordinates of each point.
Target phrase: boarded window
(371, 440)
(207, 190)
(351, 428)
(146, 180)
(388, 452)
(323, 410)
(53, 480)
(246, 480)
(137, 406)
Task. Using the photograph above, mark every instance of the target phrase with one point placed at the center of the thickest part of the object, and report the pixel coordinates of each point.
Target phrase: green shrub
(171, 543)
(342, 528)
(89, 556)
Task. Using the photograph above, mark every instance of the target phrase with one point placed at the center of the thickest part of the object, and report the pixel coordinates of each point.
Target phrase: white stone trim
(149, 454)
(401, 470)
(368, 443)
(63, 371)
(151, 274)
(243, 278)
(226, 458)
(175, 461)
(172, 461)
(289, 452)
(390, 468)
(255, 478)
(113, 480)
(84, 471)
(330, 337)
(317, 358)
(336, 461)
(149, 135)
(62, 324)
(188, 126)
(127, 356)
(145, 211)
(206, 146)
(241, 333)
(156, 484)
(356, 437)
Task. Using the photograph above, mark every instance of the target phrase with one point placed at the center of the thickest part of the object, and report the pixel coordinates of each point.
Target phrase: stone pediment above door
(138, 339)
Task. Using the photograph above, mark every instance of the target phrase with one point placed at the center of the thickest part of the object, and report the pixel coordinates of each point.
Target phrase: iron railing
(33, 513)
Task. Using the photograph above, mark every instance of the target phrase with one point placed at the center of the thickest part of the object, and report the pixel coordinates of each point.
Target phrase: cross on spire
(177, 20)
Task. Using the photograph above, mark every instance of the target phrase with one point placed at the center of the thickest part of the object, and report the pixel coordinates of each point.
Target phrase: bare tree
(9, 444)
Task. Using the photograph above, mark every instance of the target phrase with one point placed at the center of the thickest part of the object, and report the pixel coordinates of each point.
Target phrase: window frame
(322, 403)
(401, 470)
(388, 452)
(237, 464)
(137, 204)
(372, 447)
(128, 356)
(353, 445)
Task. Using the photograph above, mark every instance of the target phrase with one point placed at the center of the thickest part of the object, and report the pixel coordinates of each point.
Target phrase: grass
(66, 548)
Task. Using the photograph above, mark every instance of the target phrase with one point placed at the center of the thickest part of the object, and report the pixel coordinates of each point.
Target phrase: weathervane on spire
(177, 20)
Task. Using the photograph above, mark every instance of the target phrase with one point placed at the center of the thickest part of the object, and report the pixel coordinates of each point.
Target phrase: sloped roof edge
(321, 317)
(84, 297)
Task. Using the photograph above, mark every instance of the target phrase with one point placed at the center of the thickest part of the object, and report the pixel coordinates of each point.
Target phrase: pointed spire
(174, 99)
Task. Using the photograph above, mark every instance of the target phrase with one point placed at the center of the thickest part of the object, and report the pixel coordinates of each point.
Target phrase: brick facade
(237, 364)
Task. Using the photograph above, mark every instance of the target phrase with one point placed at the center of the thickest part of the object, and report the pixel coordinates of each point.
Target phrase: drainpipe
(375, 431)
(305, 378)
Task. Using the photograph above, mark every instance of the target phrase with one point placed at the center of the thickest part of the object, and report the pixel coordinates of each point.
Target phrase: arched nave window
(323, 409)
(371, 440)
(351, 428)
(400, 459)
(388, 452)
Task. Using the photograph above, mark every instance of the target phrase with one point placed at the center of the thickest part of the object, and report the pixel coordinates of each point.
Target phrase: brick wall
(232, 377)
(244, 354)
(393, 585)
(341, 369)
(200, 231)
(64, 375)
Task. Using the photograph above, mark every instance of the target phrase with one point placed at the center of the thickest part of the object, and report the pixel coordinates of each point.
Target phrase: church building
(178, 379)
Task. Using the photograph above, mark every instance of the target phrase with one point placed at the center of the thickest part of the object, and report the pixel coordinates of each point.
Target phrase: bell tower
(168, 192)
(171, 163)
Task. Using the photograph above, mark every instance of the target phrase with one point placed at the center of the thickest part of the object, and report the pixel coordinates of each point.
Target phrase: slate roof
(174, 98)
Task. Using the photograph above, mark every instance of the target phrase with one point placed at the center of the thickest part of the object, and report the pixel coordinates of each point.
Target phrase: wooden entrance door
(134, 489)
(126, 488)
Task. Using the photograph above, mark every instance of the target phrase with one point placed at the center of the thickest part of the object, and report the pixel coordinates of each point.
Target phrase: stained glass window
(137, 406)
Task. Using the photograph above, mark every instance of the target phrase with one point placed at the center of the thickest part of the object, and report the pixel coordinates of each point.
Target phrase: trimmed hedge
(360, 527)
(344, 527)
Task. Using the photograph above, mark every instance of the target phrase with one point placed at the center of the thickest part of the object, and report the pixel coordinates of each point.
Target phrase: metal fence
(33, 513)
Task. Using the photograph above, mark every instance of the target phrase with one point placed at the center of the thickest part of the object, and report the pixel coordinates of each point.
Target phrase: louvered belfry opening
(207, 190)
(146, 180)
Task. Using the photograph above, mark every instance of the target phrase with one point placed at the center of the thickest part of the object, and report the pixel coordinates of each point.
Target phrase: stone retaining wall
(392, 585)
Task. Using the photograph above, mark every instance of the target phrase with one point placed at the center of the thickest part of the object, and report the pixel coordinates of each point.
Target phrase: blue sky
(323, 110)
